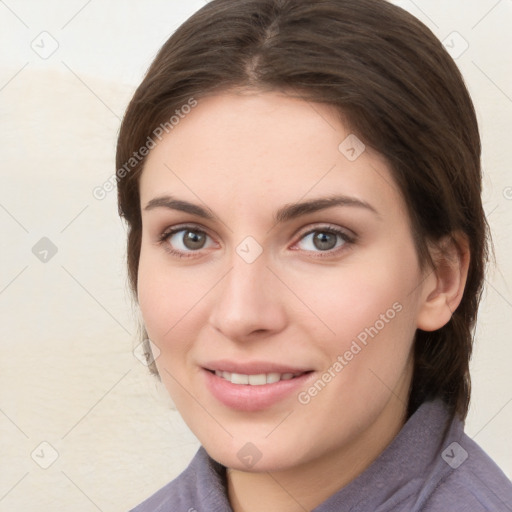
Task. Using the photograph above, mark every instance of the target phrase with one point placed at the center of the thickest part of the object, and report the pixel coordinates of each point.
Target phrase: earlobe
(444, 286)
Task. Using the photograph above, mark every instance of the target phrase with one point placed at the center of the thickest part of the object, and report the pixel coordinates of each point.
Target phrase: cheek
(370, 313)
(162, 297)
(152, 301)
(166, 300)
(162, 304)
(347, 301)
(174, 308)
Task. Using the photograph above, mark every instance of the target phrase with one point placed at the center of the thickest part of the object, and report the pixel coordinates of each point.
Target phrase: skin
(243, 156)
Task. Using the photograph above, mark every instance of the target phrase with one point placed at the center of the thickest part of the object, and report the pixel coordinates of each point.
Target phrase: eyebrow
(285, 213)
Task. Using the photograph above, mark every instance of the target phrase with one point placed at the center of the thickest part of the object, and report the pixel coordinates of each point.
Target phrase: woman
(307, 243)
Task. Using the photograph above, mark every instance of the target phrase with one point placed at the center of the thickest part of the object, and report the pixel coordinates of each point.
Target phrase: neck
(304, 487)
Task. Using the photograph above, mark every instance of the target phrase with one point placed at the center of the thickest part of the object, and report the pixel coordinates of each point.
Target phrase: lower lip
(245, 397)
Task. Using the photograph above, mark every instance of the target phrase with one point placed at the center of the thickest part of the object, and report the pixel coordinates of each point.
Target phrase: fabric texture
(430, 466)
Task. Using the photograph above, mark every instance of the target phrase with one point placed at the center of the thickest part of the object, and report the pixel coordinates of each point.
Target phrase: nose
(248, 303)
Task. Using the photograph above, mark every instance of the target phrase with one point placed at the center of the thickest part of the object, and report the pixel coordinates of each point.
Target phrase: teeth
(273, 377)
(238, 378)
(255, 380)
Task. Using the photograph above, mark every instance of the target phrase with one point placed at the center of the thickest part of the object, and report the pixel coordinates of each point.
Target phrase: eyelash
(346, 238)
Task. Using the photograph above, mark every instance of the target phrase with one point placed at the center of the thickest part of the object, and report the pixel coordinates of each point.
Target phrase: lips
(240, 386)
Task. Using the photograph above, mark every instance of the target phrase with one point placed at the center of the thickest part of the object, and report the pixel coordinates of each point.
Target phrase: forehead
(250, 146)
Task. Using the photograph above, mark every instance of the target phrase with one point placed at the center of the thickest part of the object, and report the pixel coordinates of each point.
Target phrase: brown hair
(390, 78)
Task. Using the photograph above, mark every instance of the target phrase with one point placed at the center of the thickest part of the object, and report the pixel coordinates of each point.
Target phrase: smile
(251, 392)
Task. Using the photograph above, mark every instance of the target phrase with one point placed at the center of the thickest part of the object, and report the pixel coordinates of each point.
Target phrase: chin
(254, 457)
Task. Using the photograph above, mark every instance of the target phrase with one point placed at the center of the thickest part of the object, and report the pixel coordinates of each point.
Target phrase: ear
(444, 285)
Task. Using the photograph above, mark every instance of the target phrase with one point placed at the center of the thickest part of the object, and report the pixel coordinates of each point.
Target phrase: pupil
(322, 241)
(193, 240)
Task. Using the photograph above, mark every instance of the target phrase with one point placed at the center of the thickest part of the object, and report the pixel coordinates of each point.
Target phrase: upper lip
(252, 367)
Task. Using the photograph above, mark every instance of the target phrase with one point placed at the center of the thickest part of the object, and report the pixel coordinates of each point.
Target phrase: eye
(185, 239)
(325, 239)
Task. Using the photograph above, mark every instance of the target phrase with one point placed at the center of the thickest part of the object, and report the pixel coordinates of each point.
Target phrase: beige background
(68, 376)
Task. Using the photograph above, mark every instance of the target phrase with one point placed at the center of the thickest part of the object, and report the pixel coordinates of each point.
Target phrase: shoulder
(174, 492)
(199, 487)
(470, 481)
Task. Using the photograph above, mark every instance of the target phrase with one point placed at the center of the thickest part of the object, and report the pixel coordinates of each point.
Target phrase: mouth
(256, 386)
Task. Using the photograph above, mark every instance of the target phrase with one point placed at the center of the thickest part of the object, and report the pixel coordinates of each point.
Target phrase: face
(241, 289)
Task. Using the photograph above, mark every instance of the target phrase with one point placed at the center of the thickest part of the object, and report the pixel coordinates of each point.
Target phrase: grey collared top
(430, 466)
